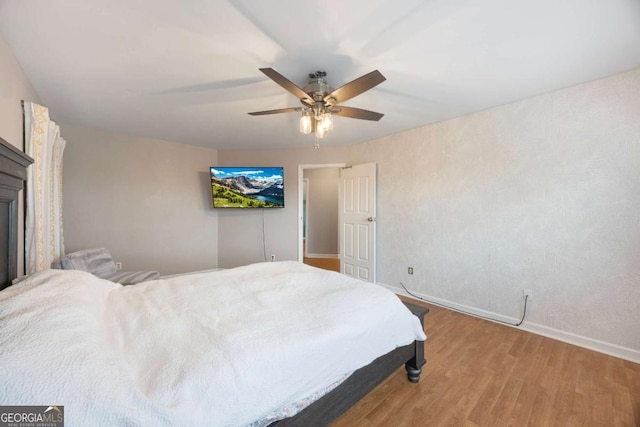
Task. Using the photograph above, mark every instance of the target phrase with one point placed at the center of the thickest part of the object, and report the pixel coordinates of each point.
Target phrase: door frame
(301, 169)
(305, 212)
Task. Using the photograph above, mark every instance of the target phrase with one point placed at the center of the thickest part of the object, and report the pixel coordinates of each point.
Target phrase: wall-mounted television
(247, 187)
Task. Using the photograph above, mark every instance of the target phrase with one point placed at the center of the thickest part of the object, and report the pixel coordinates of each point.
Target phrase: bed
(266, 344)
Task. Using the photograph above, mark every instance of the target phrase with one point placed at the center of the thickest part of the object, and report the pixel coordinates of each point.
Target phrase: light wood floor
(325, 263)
(480, 373)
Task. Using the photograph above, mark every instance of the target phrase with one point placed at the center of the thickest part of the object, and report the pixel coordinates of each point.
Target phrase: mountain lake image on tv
(247, 187)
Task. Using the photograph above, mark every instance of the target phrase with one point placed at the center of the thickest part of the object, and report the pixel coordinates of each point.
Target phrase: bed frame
(13, 173)
(333, 404)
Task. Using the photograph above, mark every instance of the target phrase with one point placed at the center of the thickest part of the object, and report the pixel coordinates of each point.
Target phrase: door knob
(371, 219)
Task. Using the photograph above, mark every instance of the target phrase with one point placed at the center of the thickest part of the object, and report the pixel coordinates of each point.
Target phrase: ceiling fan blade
(288, 85)
(278, 111)
(355, 88)
(357, 113)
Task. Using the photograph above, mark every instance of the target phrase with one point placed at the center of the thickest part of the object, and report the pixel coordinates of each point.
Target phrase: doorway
(357, 189)
(318, 222)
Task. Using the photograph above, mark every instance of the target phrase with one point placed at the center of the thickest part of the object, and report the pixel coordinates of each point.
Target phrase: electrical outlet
(410, 270)
(527, 293)
(118, 266)
(273, 257)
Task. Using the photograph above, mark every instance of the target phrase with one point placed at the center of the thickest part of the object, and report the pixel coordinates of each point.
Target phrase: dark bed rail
(333, 404)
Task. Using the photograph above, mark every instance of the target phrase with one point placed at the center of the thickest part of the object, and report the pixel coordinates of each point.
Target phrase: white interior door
(357, 217)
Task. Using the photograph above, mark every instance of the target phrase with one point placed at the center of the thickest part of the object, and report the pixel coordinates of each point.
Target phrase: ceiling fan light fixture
(321, 131)
(327, 121)
(305, 123)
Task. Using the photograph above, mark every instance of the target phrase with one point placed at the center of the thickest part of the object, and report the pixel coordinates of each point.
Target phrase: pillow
(73, 262)
(132, 277)
(97, 261)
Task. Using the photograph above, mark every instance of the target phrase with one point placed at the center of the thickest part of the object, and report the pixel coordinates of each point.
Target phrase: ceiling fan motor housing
(318, 88)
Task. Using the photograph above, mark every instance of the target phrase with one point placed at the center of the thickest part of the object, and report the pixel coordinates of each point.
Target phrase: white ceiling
(187, 71)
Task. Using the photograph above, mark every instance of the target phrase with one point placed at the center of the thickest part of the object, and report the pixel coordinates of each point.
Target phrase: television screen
(247, 187)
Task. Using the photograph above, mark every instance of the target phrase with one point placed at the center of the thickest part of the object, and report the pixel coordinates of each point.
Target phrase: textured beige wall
(322, 211)
(240, 231)
(14, 87)
(147, 201)
(542, 194)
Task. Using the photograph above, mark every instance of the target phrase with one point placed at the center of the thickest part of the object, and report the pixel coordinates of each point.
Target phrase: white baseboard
(308, 255)
(556, 334)
(581, 341)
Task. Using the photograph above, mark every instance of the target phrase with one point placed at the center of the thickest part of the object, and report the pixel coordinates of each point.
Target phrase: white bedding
(224, 348)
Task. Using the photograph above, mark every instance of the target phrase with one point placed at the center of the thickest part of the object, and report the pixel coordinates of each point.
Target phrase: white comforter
(225, 348)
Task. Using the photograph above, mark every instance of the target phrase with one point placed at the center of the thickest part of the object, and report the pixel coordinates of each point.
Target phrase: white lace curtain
(44, 242)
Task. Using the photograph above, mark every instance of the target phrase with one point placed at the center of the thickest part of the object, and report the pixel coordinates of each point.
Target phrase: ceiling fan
(320, 101)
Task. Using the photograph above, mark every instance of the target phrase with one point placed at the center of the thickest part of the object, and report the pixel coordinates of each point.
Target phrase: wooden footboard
(339, 400)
